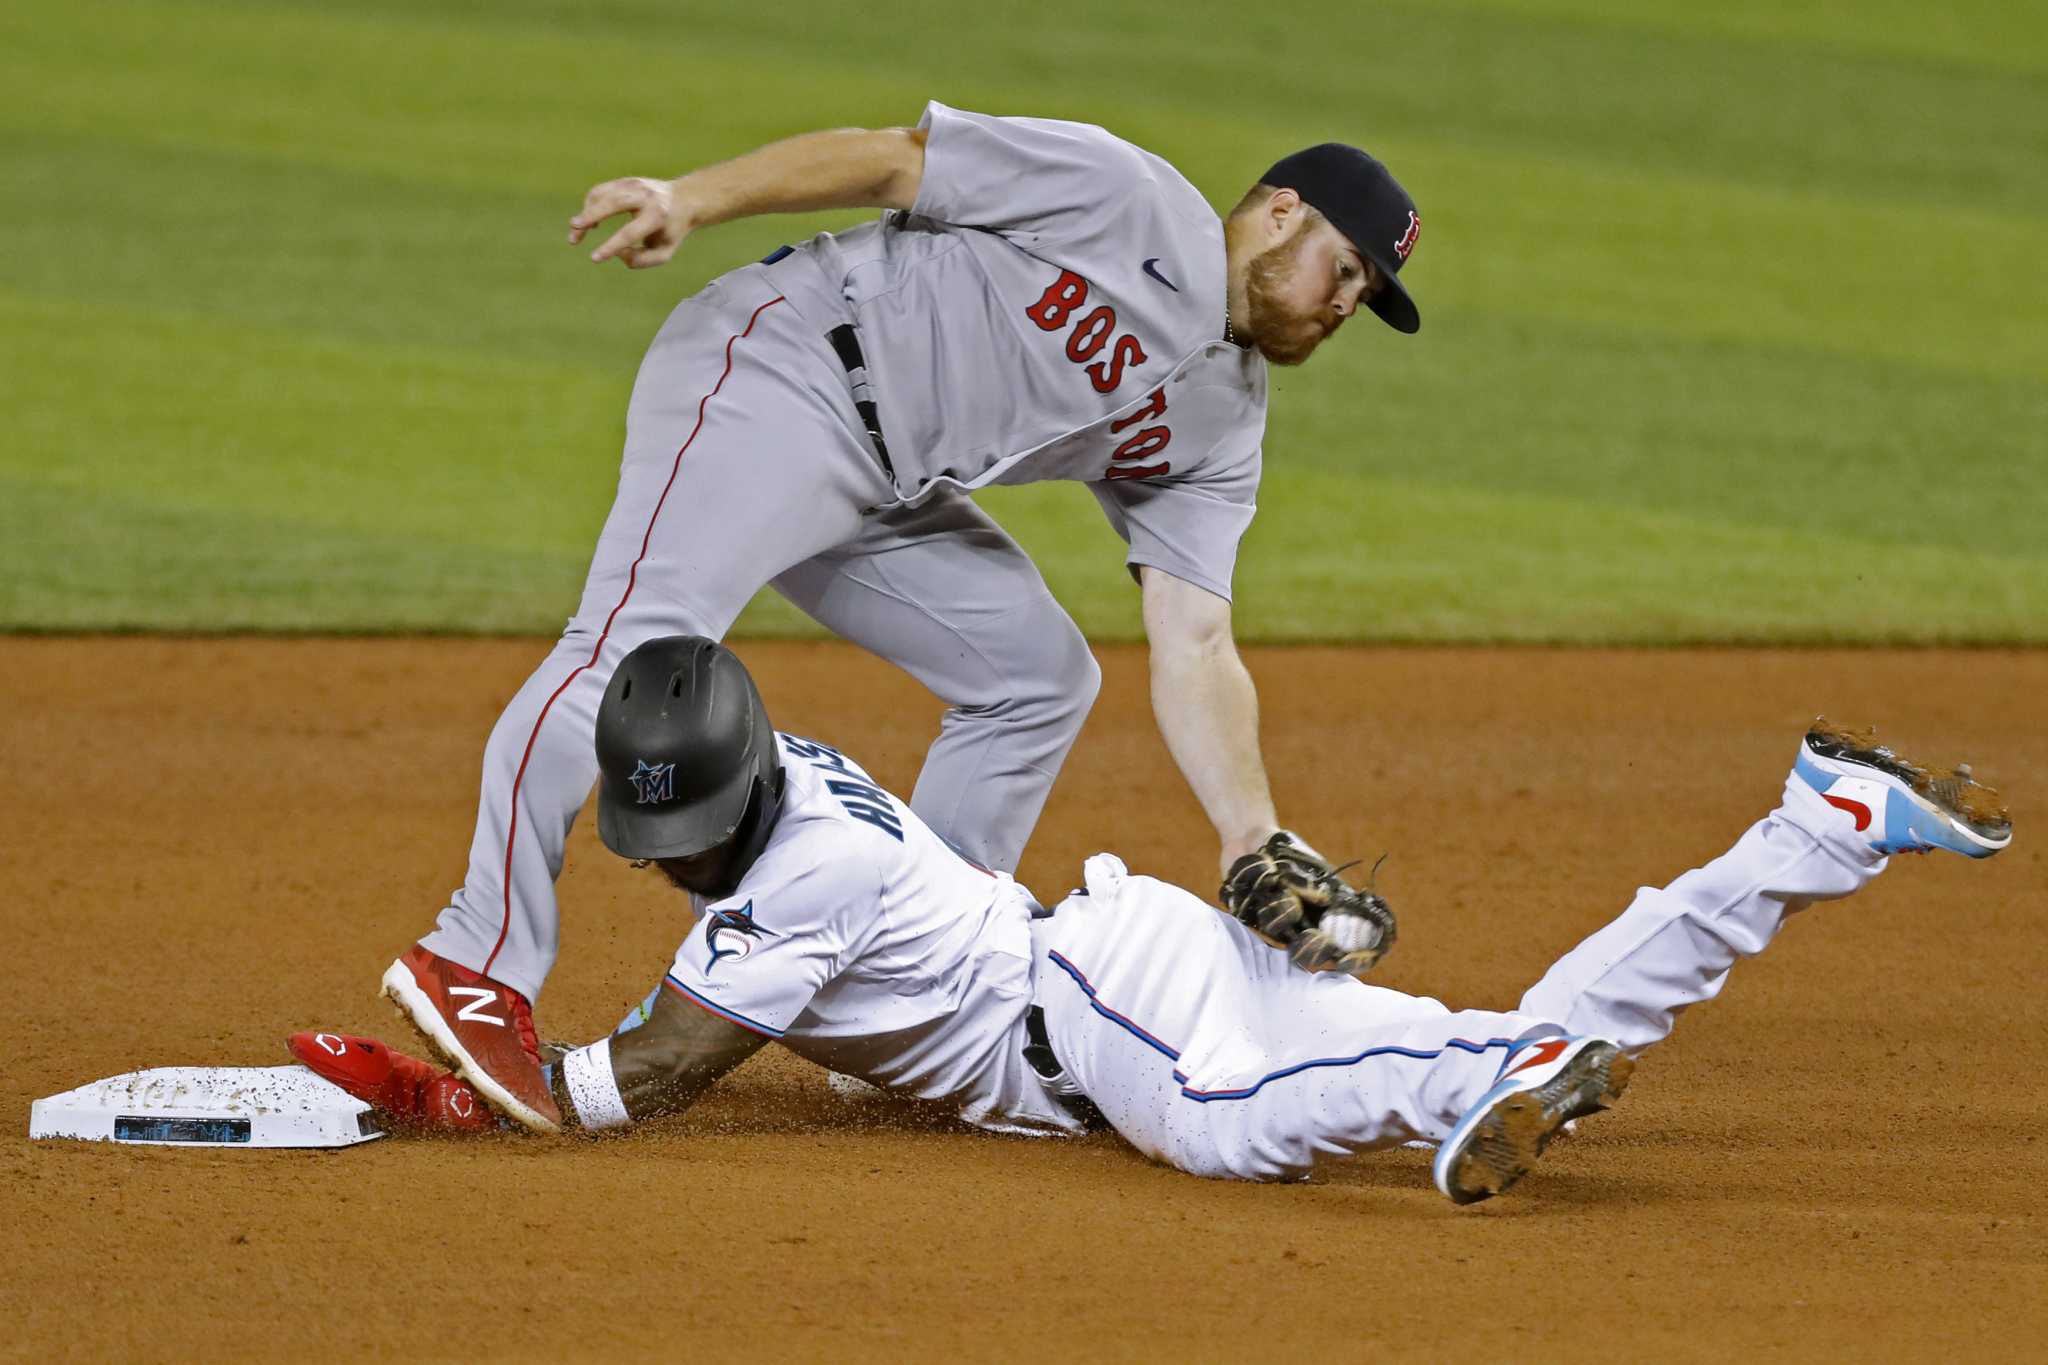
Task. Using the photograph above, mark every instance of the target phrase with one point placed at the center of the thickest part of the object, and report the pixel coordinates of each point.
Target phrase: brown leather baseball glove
(1292, 897)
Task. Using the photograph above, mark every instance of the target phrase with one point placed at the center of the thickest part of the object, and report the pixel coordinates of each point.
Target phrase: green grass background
(1736, 326)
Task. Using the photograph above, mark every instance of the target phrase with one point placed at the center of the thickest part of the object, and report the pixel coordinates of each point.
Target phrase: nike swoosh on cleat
(1151, 267)
(1538, 1055)
(1855, 808)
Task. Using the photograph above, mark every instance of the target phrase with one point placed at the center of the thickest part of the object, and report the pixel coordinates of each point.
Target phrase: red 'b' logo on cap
(1407, 242)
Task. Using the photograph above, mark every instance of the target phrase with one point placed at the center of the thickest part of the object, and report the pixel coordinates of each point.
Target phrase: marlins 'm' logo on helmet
(654, 782)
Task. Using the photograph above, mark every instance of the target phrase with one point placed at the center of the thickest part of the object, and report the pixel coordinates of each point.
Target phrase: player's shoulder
(1080, 137)
(1139, 173)
(1178, 195)
(1155, 181)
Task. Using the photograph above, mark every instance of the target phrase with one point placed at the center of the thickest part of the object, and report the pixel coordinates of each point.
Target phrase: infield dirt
(209, 843)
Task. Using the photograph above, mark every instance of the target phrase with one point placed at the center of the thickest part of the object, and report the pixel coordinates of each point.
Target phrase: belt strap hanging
(846, 345)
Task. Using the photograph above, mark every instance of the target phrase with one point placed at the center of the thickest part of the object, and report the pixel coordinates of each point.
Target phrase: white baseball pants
(1207, 1051)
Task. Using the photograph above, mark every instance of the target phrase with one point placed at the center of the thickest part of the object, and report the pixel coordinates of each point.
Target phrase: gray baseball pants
(746, 464)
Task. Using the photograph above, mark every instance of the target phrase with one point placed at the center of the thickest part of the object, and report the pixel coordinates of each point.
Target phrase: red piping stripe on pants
(632, 577)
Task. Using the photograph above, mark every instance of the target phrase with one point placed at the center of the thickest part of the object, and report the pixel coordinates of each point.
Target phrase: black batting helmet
(689, 761)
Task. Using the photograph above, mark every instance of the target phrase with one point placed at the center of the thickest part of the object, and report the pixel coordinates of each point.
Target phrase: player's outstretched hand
(1289, 895)
(650, 237)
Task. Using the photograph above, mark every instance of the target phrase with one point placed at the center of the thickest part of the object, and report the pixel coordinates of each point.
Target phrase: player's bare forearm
(664, 1065)
(842, 168)
(1208, 710)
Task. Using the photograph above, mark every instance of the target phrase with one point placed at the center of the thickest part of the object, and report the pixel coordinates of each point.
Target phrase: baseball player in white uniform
(858, 938)
(1042, 300)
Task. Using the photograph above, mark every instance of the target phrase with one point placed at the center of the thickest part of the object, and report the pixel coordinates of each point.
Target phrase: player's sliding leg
(1847, 806)
(943, 592)
(1206, 1050)
(722, 430)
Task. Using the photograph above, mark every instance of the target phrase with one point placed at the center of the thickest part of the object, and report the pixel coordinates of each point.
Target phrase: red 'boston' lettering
(1090, 333)
(1136, 471)
(1154, 406)
(1056, 307)
(1145, 443)
(1150, 441)
(1106, 375)
(1060, 299)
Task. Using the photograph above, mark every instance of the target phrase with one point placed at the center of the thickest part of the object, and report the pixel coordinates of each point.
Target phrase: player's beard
(1283, 337)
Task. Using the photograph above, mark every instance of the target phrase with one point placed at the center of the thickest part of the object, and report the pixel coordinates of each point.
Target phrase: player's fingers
(619, 241)
(657, 248)
(609, 197)
(602, 202)
(651, 256)
(633, 236)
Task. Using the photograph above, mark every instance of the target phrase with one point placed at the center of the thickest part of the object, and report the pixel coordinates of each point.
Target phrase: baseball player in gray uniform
(1041, 300)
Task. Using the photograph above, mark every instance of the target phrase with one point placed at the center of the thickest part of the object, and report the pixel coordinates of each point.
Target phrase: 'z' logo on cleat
(479, 998)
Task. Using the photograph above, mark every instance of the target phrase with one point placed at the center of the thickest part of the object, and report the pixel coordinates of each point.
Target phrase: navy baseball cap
(1368, 206)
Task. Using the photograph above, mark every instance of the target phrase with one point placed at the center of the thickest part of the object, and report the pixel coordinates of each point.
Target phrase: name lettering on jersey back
(1059, 309)
(859, 796)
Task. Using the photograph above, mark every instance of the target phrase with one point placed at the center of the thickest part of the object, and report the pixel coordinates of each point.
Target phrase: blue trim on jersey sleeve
(721, 1011)
(1080, 979)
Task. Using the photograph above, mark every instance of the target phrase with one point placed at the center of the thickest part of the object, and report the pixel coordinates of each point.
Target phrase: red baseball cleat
(413, 1094)
(481, 1028)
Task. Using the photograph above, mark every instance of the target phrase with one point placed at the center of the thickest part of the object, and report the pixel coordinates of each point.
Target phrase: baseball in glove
(1289, 895)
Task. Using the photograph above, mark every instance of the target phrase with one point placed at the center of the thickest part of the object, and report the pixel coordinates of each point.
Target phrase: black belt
(846, 345)
(1038, 1052)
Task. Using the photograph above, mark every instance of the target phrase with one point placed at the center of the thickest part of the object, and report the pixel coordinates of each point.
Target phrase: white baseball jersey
(860, 940)
(1052, 307)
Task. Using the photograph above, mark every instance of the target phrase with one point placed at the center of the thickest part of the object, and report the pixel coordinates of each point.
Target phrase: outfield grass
(1734, 322)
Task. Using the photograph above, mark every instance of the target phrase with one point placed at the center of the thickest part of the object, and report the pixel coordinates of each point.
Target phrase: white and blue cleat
(1543, 1084)
(1898, 806)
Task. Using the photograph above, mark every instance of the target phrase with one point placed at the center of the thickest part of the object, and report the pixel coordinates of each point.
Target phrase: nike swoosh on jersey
(1151, 267)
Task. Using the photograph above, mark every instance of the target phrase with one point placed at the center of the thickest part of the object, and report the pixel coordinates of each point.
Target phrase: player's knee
(1282, 1160)
(1070, 678)
(1083, 681)
(1045, 675)
(1220, 1156)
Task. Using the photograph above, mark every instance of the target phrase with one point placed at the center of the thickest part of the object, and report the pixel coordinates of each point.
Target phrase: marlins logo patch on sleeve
(731, 933)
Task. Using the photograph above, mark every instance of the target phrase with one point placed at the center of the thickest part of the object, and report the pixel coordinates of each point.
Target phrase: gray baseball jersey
(1052, 307)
